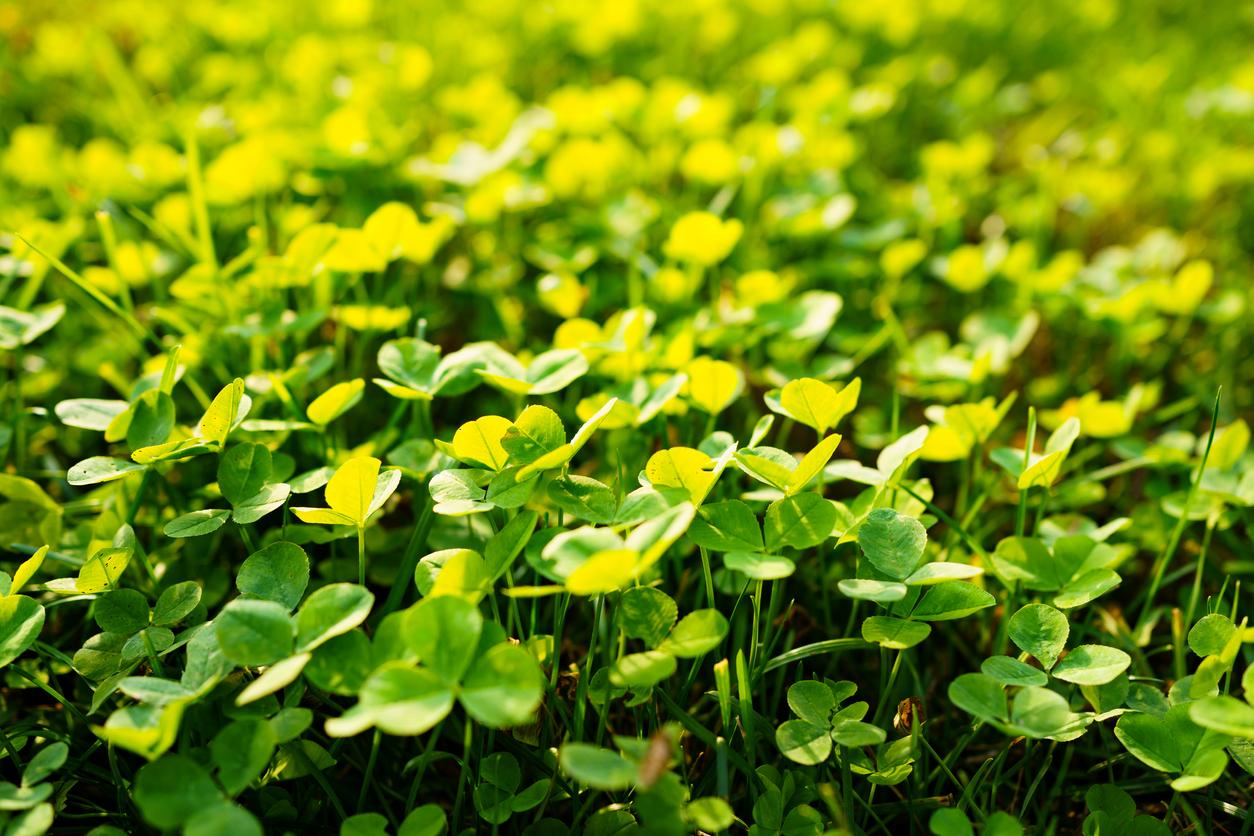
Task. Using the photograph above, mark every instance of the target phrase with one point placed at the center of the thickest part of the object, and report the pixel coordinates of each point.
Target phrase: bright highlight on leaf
(356, 491)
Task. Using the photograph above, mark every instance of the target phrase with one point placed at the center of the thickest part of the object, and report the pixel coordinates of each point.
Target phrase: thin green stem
(708, 575)
(423, 761)
(50, 691)
(1160, 565)
(369, 774)
(19, 413)
(151, 652)
(463, 777)
(9, 749)
(409, 562)
(1021, 515)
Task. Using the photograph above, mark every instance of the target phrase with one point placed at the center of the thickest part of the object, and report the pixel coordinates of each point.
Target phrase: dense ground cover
(770, 415)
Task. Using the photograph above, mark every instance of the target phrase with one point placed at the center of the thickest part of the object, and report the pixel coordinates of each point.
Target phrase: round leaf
(444, 632)
(892, 542)
(803, 742)
(279, 572)
(173, 791)
(596, 767)
(696, 634)
(1092, 664)
(253, 633)
(894, 633)
(503, 687)
(330, 611)
(21, 619)
(1040, 630)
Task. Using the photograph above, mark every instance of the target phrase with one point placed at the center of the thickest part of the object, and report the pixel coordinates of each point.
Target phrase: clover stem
(137, 501)
(709, 578)
(846, 789)
(409, 561)
(581, 689)
(952, 523)
(423, 760)
(943, 766)
(772, 609)
(757, 615)
(964, 488)
(151, 652)
(298, 754)
(888, 688)
(464, 776)
(1022, 515)
(424, 413)
(361, 555)
(19, 430)
(109, 238)
(121, 795)
(1003, 630)
(247, 538)
(50, 691)
(370, 764)
(785, 427)
(559, 619)
(8, 748)
(744, 694)
(1160, 565)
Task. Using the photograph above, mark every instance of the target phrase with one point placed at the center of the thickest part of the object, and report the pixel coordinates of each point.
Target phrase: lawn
(783, 417)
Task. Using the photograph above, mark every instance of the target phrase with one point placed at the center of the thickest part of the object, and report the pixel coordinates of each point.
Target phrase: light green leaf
(642, 670)
(1040, 630)
(1010, 671)
(269, 498)
(329, 611)
(892, 542)
(334, 402)
(894, 633)
(981, 696)
(503, 687)
(1224, 714)
(397, 699)
(279, 572)
(254, 633)
(759, 567)
(726, 526)
(174, 790)
(951, 600)
(812, 464)
(866, 589)
(536, 432)
(803, 742)
(478, 442)
(228, 408)
(444, 632)
(99, 469)
(176, 603)
(197, 523)
(696, 633)
(596, 767)
(1091, 664)
(243, 470)
(21, 619)
(102, 570)
(647, 613)
(799, 521)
